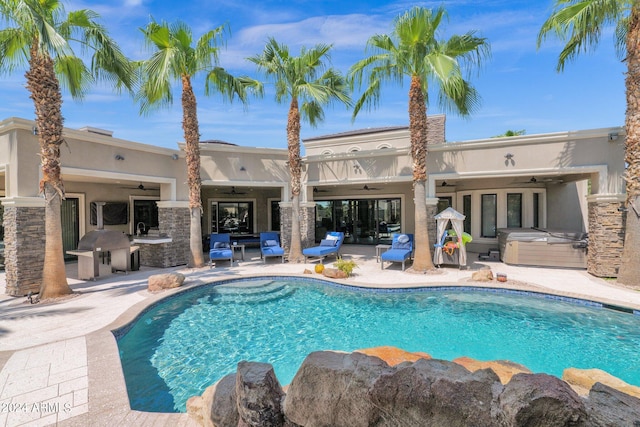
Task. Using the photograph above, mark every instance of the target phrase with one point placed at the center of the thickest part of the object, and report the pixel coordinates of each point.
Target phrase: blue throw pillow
(221, 245)
(399, 245)
(328, 242)
(270, 243)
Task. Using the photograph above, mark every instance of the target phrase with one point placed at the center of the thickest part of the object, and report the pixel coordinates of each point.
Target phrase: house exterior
(357, 182)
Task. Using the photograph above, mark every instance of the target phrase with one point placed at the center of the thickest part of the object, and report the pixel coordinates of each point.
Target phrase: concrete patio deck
(59, 362)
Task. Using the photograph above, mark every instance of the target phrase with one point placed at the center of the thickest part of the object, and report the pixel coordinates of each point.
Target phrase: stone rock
(334, 273)
(219, 407)
(505, 369)
(583, 379)
(259, 395)
(332, 389)
(307, 271)
(159, 282)
(484, 275)
(394, 355)
(612, 408)
(194, 409)
(540, 400)
(434, 393)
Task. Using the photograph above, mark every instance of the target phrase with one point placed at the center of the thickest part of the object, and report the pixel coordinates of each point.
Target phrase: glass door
(70, 214)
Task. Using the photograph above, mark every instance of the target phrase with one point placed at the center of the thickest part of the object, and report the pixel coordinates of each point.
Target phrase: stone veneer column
(307, 224)
(24, 243)
(606, 234)
(174, 221)
(432, 211)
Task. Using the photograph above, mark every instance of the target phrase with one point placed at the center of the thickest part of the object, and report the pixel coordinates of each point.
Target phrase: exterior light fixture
(118, 157)
(174, 156)
(242, 169)
(508, 156)
(613, 136)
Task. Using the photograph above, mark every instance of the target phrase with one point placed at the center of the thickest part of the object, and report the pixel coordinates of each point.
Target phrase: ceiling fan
(534, 180)
(141, 187)
(233, 192)
(367, 188)
(317, 190)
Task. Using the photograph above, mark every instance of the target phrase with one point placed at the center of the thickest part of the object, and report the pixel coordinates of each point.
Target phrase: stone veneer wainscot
(606, 234)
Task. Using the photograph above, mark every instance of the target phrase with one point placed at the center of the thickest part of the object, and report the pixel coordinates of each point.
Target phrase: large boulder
(583, 379)
(505, 369)
(217, 407)
(259, 395)
(609, 407)
(540, 400)
(159, 282)
(334, 273)
(483, 275)
(332, 389)
(434, 393)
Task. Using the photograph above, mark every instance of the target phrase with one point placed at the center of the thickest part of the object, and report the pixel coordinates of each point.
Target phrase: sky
(519, 85)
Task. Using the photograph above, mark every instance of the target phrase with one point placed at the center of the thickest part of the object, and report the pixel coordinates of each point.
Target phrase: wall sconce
(509, 158)
(243, 169)
(613, 136)
(118, 157)
(34, 130)
(533, 180)
(174, 156)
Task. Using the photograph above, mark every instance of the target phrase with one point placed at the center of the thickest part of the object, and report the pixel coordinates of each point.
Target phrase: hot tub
(544, 248)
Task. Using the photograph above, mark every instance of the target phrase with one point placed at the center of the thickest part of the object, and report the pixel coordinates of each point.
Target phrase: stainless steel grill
(100, 241)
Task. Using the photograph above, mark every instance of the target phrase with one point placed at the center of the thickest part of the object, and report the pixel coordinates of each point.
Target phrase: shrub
(346, 266)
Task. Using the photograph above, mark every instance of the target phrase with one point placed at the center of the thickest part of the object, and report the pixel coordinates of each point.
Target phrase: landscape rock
(259, 395)
(505, 369)
(434, 393)
(484, 275)
(332, 389)
(334, 273)
(307, 271)
(608, 407)
(159, 282)
(194, 409)
(394, 355)
(583, 379)
(540, 400)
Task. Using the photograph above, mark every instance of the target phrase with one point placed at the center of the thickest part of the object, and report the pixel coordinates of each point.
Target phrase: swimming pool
(177, 348)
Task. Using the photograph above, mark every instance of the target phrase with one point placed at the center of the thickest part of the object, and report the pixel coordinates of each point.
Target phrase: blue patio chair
(220, 248)
(270, 246)
(401, 250)
(328, 246)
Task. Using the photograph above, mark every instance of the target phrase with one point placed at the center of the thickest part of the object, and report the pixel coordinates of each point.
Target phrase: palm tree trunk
(629, 273)
(293, 143)
(44, 87)
(418, 134)
(192, 149)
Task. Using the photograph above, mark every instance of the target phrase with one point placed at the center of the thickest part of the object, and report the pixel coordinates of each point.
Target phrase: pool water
(181, 346)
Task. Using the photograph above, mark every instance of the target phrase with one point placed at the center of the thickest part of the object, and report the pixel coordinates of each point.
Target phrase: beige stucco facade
(558, 177)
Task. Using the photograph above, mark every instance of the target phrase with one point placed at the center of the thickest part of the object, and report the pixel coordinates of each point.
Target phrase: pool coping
(107, 387)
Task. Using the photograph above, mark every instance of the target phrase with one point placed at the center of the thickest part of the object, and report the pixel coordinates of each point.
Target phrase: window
(444, 203)
(536, 210)
(514, 210)
(145, 212)
(466, 211)
(489, 215)
(232, 217)
(275, 215)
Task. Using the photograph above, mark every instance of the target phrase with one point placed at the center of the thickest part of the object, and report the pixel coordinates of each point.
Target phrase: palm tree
(39, 36)
(413, 51)
(300, 78)
(177, 59)
(580, 23)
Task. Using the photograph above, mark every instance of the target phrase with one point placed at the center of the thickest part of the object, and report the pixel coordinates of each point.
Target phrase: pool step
(252, 292)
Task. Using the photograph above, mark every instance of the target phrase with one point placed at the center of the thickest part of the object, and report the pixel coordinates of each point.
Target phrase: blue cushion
(220, 245)
(399, 245)
(328, 242)
(269, 243)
